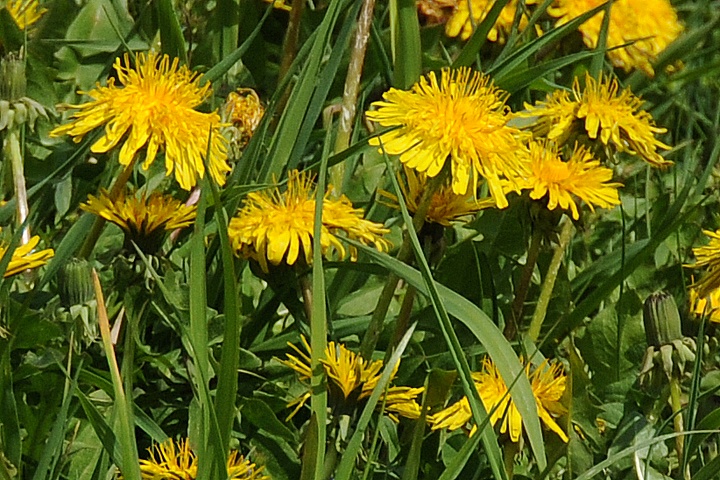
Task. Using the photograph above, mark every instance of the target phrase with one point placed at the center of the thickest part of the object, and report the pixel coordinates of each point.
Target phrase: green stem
(676, 404)
(509, 451)
(99, 223)
(292, 35)
(513, 323)
(404, 254)
(549, 282)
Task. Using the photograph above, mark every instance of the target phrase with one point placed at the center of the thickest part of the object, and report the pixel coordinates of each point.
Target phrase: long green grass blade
(469, 53)
(479, 413)
(130, 466)
(408, 51)
(523, 54)
(347, 463)
(484, 330)
(292, 118)
(171, 36)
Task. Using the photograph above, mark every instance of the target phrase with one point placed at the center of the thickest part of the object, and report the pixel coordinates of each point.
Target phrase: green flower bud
(661, 319)
(75, 283)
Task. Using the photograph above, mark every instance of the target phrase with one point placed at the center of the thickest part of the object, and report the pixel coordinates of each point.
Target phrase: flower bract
(648, 26)
(602, 113)
(461, 119)
(144, 220)
(275, 227)
(548, 384)
(351, 378)
(175, 460)
(154, 109)
(470, 13)
(24, 258)
(560, 181)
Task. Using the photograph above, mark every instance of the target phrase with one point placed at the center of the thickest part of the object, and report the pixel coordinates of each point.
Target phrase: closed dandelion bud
(75, 283)
(12, 78)
(661, 319)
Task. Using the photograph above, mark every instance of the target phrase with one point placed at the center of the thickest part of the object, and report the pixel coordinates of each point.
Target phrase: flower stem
(12, 150)
(513, 324)
(676, 404)
(99, 223)
(404, 254)
(352, 86)
(292, 35)
(549, 282)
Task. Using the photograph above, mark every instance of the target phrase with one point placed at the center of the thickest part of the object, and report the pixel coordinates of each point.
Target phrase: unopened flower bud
(661, 319)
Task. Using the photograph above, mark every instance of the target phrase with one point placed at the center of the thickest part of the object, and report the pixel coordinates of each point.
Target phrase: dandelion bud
(75, 283)
(661, 319)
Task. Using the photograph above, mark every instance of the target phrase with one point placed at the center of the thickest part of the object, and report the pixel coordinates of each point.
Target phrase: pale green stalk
(549, 282)
(12, 150)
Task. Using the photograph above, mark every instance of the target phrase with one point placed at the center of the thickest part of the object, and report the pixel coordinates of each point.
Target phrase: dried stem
(352, 86)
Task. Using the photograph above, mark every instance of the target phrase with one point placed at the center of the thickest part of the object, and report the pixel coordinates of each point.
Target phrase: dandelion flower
(708, 256)
(559, 181)
(24, 258)
(25, 13)
(602, 113)
(547, 382)
(351, 378)
(462, 118)
(170, 460)
(243, 112)
(470, 13)
(708, 305)
(154, 109)
(144, 220)
(445, 205)
(648, 25)
(278, 227)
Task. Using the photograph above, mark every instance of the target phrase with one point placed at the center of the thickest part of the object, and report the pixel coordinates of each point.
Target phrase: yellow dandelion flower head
(278, 227)
(708, 305)
(649, 26)
(606, 114)
(351, 378)
(154, 109)
(559, 181)
(462, 118)
(25, 13)
(243, 111)
(25, 258)
(145, 219)
(176, 460)
(470, 13)
(548, 384)
(445, 205)
(708, 256)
